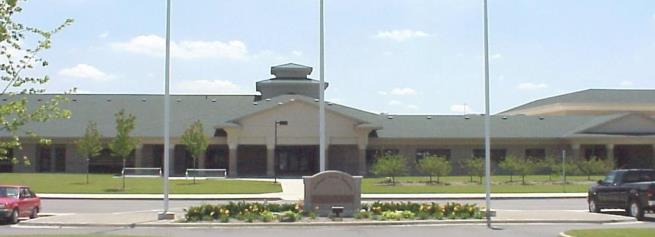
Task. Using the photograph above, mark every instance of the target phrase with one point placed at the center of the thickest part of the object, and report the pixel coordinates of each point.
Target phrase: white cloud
(627, 83)
(400, 35)
(103, 35)
(297, 53)
(403, 91)
(395, 103)
(398, 92)
(85, 71)
(461, 109)
(208, 87)
(412, 107)
(154, 45)
(529, 86)
(497, 56)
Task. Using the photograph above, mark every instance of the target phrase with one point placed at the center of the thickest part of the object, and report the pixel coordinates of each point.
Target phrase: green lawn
(623, 232)
(100, 183)
(462, 184)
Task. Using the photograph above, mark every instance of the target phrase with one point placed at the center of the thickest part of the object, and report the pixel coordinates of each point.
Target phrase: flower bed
(382, 211)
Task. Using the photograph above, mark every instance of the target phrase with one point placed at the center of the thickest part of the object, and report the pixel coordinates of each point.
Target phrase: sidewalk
(149, 219)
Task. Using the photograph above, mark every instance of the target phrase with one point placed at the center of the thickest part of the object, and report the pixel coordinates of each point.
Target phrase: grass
(106, 184)
(621, 232)
(462, 184)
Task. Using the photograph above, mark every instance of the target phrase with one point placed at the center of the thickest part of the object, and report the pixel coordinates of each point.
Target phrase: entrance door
(297, 160)
(633, 156)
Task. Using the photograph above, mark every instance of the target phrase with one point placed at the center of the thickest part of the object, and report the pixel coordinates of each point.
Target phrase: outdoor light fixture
(275, 162)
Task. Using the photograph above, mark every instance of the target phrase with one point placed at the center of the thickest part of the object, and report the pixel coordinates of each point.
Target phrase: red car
(16, 202)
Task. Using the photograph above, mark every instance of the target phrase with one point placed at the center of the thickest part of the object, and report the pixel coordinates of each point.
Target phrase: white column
(609, 148)
(270, 160)
(576, 152)
(361, 158)
(202, 159)
(232, 170)
(138, 155)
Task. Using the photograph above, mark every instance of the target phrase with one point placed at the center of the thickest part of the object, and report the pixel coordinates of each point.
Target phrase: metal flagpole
(487, 140)
(322, 92)
(167, 105)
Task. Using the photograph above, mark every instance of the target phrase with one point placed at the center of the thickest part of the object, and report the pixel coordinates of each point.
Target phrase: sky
(392, 56)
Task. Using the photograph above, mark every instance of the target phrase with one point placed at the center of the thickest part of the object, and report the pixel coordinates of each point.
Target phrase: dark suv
(631, 189)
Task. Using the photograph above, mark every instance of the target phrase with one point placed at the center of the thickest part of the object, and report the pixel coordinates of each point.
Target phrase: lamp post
(167, 116)
(277, 123)
(487, 118)
(321, 109)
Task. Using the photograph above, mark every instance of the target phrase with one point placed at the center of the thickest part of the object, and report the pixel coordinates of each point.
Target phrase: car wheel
(13, 219)
(635, 210)
(593, 206)
(35, 213)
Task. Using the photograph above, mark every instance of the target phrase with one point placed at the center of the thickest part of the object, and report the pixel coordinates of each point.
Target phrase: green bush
(289, 216)
(248, 212)
(251, 212)
(390, 165)
(594, 166)
(433, 165)
(474, 167)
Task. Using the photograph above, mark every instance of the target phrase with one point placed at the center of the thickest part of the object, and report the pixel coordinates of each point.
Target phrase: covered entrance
(634, 156)
(297, 160)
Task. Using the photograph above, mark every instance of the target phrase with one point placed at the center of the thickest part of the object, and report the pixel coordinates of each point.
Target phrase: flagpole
(165, 214)
(487, 118)
(321, 115)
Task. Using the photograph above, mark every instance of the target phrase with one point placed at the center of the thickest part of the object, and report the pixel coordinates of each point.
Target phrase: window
(420, 154)
(597, 151)
(220, 133)
(373, 154)
(537, 153)
(610, 178)
(497, 155)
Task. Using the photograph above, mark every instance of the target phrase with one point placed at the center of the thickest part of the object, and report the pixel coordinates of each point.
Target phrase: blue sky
(395, 56)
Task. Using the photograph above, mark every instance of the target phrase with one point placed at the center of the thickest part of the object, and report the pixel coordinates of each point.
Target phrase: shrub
(289, 216)
(362, 214)
(594, 166)
(474, 167)
(267, 216)
(390, 165)
(433, 165)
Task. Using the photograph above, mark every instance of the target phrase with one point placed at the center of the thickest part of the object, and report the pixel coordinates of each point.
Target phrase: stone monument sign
(332, 188)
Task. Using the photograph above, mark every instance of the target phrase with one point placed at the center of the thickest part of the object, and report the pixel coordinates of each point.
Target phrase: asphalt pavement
(473, 230)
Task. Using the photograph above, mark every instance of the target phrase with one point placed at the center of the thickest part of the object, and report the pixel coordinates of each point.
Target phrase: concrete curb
(310, 224)
(562, 234)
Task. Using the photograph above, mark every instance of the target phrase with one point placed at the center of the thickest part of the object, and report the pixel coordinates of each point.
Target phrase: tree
(474, 167)
(90, 145)
(594, 166)
(433, 165)
(551, 166)
(19, 57)
(526, 167)
(196, 142)
(510, 164)
(390, 165)
(519, 166)
(123, 144)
